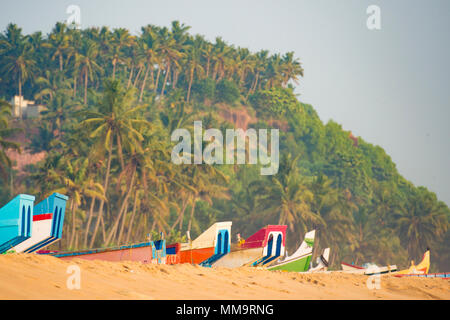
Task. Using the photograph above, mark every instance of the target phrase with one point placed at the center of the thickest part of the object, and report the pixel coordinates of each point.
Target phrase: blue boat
(16, 221)
(47, 226)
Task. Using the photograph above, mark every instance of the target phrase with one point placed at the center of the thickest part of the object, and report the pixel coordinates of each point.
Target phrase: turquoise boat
(16, 221)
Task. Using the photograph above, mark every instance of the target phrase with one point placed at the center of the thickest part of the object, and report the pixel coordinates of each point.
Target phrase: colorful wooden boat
(16, 221)
(145, 252)
(442, 275)
(300, 260)
(48, 219)
(421, 268)
(211, 244)
(322, 262)
(259, 249)
(369, 269)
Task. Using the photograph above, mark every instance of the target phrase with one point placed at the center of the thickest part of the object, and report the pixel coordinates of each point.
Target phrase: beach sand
(29, 276)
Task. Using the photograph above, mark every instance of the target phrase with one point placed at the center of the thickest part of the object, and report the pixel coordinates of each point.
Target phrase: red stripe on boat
(352, 265)
(44, 216)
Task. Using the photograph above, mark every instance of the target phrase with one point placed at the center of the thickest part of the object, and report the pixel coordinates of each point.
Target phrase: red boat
(214, 241)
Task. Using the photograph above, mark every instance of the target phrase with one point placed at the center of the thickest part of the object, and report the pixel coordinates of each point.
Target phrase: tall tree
(117, 119)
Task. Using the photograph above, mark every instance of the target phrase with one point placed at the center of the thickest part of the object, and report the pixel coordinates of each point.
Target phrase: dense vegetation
(113, 100)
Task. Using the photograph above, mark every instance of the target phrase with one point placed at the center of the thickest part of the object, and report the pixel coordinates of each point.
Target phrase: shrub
(227, 91)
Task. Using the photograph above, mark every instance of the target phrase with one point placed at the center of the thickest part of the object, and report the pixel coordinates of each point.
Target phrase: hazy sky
(389, 86)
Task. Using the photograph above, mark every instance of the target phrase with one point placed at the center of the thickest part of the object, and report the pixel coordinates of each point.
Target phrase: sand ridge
(30, 276)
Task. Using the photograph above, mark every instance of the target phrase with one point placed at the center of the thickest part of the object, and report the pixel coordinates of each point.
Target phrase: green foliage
(275, 101)
(227, 91)
(204, 89)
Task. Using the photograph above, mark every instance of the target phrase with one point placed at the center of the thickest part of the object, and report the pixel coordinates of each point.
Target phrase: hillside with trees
(112, 101)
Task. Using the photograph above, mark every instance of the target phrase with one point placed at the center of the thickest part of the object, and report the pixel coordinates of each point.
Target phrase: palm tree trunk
(122, 210)
(74, 220)
(85, 86)
(124, 220)
(102, 220)
(11, 183)
(181, 215)
(120, 152)
(75, 85)
(192, 214)
(88, 224)
(190, 85)
(105, 186)
(137, 76)
(152, 76)
(114, 69)
(207, 67)
(20, 97)
(165, 79)
(157, 80)
(131, 75)
(215, 70)
(60, 62)
(175, 78)
(130, 226)
(143, 85)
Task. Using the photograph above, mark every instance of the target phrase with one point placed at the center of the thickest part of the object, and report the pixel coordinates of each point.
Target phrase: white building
(29, 108)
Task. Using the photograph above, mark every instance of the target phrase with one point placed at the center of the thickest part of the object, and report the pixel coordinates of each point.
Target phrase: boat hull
(144, 252)
(16, 221)
(444, 275)
(196, 256)
(239, 258)
(296, 265)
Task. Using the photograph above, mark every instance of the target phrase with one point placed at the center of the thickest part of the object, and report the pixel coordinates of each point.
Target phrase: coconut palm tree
(120, 40)
(49, 84)
(5, 144)
(18, 58)
(287, 196)
(59, 43)
(422, 221)
(170, 56)
(291, 68)
(86, 63)
(148, 51)
(117, 119)
(193, 62)
(78, 185)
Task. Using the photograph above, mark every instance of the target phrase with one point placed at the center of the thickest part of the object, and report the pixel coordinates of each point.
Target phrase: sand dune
(28, 276)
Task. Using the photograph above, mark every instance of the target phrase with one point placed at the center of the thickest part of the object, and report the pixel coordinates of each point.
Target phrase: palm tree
(6, 132)
(59, 43)
(208, 54)
(422, 221)
(260, 64)
(287, 196)
(193, 64)
(148, 52)
(179, 33)
(86, 63)
(18, 59)
(221, 55)
(291, 68)
(207, 183)
(77, 184)
(168, 50)
(58, 110)
(120, 40)
(114, 120)
(49, 84)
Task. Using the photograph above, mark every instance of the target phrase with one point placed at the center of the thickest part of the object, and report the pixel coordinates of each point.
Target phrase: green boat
(300, 260)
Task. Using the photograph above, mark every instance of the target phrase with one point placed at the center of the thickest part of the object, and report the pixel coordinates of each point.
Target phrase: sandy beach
(29, 276)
